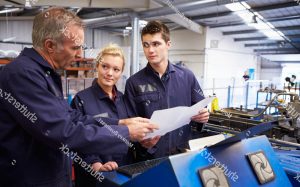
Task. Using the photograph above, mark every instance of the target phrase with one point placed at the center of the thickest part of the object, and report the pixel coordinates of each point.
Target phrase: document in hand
(174, 118)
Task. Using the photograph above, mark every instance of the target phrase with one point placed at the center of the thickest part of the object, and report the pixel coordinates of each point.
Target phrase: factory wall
(19, 29)
(15, 31)
(225, 64)
(22, 30)
(271, 71)
(187, 49)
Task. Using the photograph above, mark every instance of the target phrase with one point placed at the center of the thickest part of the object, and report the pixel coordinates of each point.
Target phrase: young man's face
(70, 48)
(155, 48)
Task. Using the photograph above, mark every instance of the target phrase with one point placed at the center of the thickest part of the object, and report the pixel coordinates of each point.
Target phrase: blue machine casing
(290, 161)
(182, 170)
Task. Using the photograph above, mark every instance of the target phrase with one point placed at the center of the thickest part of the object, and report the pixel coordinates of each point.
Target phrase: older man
(38, 130)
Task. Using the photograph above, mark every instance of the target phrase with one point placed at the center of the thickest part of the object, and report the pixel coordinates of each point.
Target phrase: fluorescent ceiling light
(270, 25)
(235, 7)
(27, 4)
(143, 23)
(272, 34)
(128, 28)
(263, 26)
(285, 57)
(258, 15)
(246, 5)
(246, 16)
(9, 39)
(259, 25)
(280, 33)
(10, 10)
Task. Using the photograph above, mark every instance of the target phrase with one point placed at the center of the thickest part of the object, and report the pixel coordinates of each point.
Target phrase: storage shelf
(4, 61)
(84, 60)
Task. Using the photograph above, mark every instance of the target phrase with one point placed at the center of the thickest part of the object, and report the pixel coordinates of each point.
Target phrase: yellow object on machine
(215, 105)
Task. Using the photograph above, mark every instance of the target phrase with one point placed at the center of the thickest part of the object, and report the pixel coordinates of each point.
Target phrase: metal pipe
(284, 143)
(228, 96)
(106, 20)
(183, 7)
(134, 67)
(269, 104)
(214, 128)
(163, 11)
(219, 129)
(247, 94)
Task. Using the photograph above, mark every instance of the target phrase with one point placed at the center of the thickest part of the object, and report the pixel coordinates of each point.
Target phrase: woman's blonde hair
(113, 50)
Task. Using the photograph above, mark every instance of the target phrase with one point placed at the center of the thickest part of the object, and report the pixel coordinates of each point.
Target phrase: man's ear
(49, 46)
(169, 44)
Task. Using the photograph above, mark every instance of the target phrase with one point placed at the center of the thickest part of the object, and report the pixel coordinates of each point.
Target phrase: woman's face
(110, 69)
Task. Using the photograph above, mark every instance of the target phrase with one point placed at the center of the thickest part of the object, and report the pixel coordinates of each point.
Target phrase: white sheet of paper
(200, 143)
(174, 118)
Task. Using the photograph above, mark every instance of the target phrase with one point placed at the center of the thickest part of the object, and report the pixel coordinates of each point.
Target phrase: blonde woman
(103, 99)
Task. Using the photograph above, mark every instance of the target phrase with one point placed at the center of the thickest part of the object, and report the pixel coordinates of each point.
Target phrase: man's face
(155, 48)
(109, 70)
(70, 48)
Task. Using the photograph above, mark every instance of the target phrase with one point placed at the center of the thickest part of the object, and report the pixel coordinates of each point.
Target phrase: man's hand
(150, 142)
(108, 166)
(202, 116)
(138, 127)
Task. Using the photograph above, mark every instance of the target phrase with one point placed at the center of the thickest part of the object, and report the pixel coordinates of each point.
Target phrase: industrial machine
(284, 136)
(234, 120)
(259, 162)
(215, 165)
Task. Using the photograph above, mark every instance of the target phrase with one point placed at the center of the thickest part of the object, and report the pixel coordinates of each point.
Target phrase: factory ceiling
(269, 27)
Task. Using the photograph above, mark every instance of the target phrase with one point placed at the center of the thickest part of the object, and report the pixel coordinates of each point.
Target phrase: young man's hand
(108, 166)
(138, 127)
(202, 116)
(150, 142)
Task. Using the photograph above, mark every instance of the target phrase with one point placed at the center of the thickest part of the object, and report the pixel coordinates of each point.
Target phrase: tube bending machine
(260, 151)
(284, 136)
(241, 160)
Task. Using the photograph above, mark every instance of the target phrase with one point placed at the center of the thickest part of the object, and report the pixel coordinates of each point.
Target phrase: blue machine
(239, 159)
(290, 161)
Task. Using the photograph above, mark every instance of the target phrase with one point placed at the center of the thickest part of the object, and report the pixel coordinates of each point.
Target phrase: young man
(162, 85)
(38, 130)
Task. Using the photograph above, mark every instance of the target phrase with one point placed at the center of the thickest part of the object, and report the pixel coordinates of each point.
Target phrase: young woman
(103, 99)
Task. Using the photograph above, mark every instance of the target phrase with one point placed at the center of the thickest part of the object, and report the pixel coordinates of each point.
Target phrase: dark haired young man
(162, 85)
